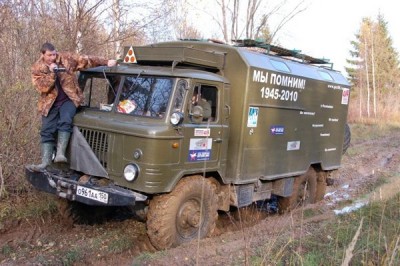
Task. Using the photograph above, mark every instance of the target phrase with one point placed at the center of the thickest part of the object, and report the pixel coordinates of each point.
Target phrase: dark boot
(62, 143)
(47, 154)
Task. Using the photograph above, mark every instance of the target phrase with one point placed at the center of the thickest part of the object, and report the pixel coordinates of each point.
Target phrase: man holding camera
(53, 76)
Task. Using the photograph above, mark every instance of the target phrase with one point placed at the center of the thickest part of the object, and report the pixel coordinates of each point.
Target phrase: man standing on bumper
(60, 95)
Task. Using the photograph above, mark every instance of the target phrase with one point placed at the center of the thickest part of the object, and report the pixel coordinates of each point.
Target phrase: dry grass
(19, 137)
(387, 111)
(369, 236)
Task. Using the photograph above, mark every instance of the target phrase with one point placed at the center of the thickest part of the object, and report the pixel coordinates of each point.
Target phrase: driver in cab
(198, 100)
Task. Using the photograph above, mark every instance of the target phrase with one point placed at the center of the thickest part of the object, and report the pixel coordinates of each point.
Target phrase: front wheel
(186, 213)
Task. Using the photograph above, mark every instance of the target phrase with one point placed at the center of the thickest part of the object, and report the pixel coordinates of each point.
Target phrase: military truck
(275, 126)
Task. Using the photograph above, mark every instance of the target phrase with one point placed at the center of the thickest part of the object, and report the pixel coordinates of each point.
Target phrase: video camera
(59, 69)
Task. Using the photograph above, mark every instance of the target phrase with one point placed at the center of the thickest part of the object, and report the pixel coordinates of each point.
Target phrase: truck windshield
(145, 96)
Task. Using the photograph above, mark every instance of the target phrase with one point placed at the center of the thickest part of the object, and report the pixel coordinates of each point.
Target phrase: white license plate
(92, 194)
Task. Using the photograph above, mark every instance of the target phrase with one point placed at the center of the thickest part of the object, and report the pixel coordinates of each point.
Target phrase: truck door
(204, 138)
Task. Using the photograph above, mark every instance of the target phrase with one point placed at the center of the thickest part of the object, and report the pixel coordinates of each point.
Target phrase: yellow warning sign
(130, 56)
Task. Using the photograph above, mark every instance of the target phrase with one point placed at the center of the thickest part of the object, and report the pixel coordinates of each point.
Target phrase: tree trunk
(116, 19)
(367, 76)
(373, 71)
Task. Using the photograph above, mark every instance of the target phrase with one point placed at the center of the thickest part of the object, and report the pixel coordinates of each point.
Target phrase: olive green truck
(182, 130)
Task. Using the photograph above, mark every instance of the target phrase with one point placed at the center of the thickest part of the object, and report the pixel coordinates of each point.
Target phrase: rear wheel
(347, 138)
(321, 185)
(183, 214)
(304, 192)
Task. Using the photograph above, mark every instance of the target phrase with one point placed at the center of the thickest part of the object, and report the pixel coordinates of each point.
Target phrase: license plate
(92, 194)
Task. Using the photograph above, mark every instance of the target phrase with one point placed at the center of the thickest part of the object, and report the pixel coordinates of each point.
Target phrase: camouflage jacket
(44, 80)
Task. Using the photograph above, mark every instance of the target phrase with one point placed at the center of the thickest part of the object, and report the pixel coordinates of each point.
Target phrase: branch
(295, 11)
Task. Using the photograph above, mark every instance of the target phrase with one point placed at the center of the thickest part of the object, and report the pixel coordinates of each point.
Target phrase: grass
(377, 244)
(371, 131)
(145, 257)
(71, 256)
(112, 241)
(6, 250)
(120, 243)
(36, 207)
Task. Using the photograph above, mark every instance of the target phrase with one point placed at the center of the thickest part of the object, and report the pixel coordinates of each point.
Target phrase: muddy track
(121, 239)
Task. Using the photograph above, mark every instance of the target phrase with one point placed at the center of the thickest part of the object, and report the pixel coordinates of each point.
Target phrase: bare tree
(254, 23)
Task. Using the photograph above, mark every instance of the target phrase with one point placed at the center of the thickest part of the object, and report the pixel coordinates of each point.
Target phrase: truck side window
(206, 97)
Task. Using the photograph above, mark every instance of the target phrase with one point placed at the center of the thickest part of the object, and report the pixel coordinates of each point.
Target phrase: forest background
(102, 27)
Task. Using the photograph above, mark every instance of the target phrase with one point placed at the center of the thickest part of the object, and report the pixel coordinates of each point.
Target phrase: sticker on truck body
(200, 149)
(293, 145)
(252, 117)
(202, 132)
(345, 96)
(277, 130)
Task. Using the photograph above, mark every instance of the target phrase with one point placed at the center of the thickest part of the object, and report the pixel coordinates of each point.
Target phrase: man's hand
(111, 63)
(52, 67)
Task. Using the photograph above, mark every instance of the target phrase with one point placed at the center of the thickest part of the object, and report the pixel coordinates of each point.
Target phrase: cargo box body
(284, 115)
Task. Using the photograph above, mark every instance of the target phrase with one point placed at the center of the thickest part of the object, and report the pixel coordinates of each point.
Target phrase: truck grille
(98, 141)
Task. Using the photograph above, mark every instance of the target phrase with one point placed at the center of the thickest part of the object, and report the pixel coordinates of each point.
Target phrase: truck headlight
(176, 118)
(131, 172)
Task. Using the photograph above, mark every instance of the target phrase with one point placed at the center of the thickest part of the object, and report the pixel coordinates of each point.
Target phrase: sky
(326, 27)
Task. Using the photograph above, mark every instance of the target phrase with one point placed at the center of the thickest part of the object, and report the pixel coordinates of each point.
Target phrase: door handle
(218, 140)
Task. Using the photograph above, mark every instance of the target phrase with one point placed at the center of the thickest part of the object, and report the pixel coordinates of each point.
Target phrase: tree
(374, 64)
(73, 25)
(254, 24)
(230, 19)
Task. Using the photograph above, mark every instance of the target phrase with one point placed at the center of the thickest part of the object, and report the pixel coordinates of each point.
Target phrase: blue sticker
(200, 149)
(201, 155)
(277, 130)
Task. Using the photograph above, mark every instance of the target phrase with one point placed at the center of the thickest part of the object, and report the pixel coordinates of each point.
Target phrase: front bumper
(85, 189)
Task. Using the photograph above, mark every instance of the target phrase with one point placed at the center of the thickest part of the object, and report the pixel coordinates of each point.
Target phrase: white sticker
(293, 145)
(200, 150)
(345, 96)
(252, 117)
(202, 132)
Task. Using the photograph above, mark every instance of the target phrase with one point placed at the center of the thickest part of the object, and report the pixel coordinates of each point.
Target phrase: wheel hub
(189, 220)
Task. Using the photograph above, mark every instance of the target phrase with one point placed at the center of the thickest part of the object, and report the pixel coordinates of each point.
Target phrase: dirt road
(369, 172)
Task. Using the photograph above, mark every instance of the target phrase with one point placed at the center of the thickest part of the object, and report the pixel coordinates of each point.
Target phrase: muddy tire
(304, 192)
(183, 214)
(321, 185)
(73, 212)
(347, 138)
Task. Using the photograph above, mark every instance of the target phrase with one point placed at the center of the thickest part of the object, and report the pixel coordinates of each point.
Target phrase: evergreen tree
(373, 67)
